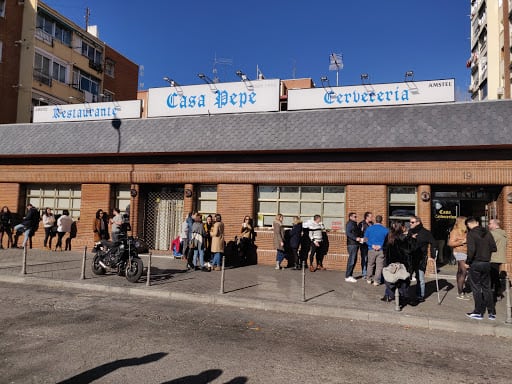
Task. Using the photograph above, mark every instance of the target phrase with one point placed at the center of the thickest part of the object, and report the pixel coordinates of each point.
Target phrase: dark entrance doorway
(448, 202)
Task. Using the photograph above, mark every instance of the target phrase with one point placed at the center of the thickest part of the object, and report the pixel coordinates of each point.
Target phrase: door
(163, 218)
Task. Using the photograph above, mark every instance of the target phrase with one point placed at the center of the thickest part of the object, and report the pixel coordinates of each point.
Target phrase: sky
(285, 39)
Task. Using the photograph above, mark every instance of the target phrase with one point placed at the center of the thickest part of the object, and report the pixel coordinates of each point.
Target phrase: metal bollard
(222, 275)
(24, 261)
(148, 281)
(397, 299)
(509, 308)
(84, 260)
(303, 282)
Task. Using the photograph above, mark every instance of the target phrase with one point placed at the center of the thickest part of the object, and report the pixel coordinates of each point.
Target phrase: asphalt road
(67, 336)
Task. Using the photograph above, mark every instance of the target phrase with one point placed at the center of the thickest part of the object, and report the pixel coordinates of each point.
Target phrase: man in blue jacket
(376, 236)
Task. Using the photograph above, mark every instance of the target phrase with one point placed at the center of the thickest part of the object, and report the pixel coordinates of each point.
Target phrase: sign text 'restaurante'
(84, 113)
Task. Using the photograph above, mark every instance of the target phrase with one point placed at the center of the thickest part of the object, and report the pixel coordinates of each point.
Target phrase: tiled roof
(437, 126)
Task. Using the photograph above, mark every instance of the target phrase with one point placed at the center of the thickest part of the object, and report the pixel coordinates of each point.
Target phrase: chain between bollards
(222, 275)
(148, 281)
(509, 308)
(24, 261)
(84, 260)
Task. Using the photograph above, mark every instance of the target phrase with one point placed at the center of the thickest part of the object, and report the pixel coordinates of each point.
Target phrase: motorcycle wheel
(133, 270)
(97, 269)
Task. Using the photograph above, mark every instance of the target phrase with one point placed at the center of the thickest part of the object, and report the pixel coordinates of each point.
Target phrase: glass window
(109, 67)
(42, 69)
(59, 72)
(402, 202)
(2, 8)
(207, 200)
(303, 201)
(56, 197)
(122, 197)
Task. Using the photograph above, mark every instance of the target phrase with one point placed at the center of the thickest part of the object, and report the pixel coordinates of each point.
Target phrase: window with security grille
(303, 201)
(56, 197)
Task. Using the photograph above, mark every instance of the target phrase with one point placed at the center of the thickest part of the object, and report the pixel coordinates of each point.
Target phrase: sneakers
(492, 316)
(475, 316)
(462, 296)
(350, 279)
(369, 281)
(376, 284)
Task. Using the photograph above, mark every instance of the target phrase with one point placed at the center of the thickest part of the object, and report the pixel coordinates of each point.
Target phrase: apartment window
(107, 96)
(2, 8)
(207, 199)
(303, 201)
(109, 67)
(56, 197)
(85, 82)
(53, 29)
(59, 72)
(92, 53)
(402, 202)
(42, 69)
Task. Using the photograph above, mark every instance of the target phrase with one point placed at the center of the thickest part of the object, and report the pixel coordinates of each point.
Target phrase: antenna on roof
(335, 64)
(87, 15)
(216, 62)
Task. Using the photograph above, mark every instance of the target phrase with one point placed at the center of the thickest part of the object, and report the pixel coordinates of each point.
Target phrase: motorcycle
(120, 257)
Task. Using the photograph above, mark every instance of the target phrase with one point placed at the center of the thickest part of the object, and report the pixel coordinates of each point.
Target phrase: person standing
(363, 226)
(295, 236)
(277, 227)
(481, 244)
(63, 226)
(5, 226)
(100, 226)
(497, 258)
(217, 235)
(457, 241)
(117, 222)
(376, 236)
(246, 239)
(354, 240)
(208, 225)
(48, 224)
(423, 238)
(316, 228)
(198, 236)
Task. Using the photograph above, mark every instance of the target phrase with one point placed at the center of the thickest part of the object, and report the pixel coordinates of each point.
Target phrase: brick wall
(94, 197)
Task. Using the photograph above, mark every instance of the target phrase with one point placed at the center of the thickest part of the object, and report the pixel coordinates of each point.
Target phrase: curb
(398, 318)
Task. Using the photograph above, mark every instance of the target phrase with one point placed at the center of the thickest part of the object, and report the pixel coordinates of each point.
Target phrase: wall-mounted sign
(373, 95)
(204, 99)
(88, 111)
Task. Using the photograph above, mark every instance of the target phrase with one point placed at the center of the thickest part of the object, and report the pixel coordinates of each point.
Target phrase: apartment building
(490, 58)
(46, 59)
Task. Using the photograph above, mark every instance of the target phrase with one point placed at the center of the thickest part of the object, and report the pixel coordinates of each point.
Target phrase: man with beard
(419, 255)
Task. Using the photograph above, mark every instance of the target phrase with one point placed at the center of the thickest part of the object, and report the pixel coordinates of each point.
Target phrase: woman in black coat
(398, 249)
(295, 237)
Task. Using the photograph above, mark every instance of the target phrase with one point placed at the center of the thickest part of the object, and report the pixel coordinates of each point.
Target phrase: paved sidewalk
(258, 287)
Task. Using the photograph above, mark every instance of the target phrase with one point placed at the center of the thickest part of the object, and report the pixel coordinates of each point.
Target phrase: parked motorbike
(121, 258)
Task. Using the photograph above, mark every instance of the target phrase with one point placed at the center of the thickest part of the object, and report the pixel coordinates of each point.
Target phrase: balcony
(98, 67)
(44, 36)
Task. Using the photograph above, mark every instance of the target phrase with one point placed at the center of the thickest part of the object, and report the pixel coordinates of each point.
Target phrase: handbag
(394, 272)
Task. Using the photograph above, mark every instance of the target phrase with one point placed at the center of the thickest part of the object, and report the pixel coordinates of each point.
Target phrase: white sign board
(373, 95)
(88, 111)
(239, 97)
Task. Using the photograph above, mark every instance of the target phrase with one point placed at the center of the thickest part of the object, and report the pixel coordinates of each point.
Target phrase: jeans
(352, 259)
(420, 283)
(364, 259)
(26, 233)
(280, 256)
(199, 252)
(216, 259)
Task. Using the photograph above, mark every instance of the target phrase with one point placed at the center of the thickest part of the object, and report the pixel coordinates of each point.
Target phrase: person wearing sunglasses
(419, 256)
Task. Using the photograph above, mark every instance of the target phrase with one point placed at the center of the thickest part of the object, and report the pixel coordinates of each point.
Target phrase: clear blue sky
(285, 38)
